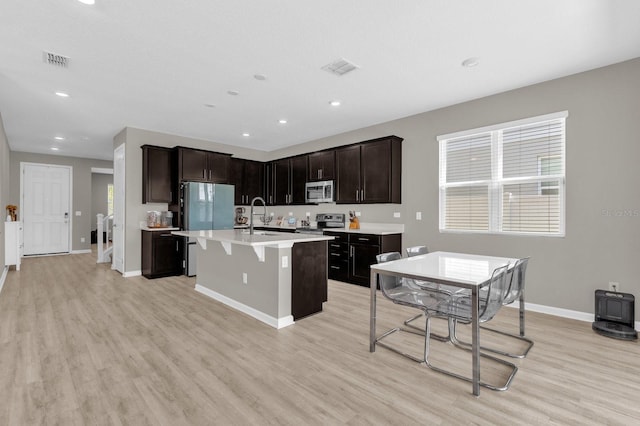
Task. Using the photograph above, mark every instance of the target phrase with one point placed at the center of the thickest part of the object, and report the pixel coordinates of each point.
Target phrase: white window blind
(508, 178)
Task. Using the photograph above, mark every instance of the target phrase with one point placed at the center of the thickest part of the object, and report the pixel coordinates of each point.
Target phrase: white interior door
(46, 208)
(118, 209)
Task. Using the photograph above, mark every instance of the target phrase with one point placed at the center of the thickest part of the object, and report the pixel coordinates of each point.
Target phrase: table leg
(475, 341)
(522, 313)
(372, 314)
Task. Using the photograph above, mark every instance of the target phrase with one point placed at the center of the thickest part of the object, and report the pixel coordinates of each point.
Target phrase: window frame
(497, 182)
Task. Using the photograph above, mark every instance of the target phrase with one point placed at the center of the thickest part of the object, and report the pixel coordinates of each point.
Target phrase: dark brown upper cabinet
(322, 166)
(248, 178)
(158, 184)
(288, 178)
(369, 172)
(202, 166)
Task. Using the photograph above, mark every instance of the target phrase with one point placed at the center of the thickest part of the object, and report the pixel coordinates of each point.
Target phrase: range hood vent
(55, 59)
(340, 67)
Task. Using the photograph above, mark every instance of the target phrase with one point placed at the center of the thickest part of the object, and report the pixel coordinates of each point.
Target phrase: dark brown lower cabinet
(308, 278)
(352, 254)
(162, 254)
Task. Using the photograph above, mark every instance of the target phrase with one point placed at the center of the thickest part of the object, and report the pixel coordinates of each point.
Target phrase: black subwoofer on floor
(615, 315)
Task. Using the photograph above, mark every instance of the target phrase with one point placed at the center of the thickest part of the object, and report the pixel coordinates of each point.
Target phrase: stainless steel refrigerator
(205, 206)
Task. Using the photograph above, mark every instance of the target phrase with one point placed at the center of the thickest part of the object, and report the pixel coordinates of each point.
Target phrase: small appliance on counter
(156, 219)
(241, 219)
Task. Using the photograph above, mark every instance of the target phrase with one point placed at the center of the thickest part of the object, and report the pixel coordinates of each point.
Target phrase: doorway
(46, 208)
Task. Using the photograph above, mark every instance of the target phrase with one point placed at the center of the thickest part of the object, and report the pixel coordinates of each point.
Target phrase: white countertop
(146, 228)
(372, 228)
(259, 238)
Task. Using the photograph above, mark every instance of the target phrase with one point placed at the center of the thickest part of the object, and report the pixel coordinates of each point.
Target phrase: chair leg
(433, 336)
(466, 345)
(503, 387)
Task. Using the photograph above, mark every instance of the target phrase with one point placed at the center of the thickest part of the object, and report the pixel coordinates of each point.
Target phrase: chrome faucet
(264, 205)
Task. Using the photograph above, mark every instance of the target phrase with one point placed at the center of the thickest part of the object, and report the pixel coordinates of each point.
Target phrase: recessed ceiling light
(334, 103)
(260, 77)
(62, 94)
(233, 92)
(58, 138)
(470, 62)
(87, 1)
(246, 135)
(54, 148)
(282, 121)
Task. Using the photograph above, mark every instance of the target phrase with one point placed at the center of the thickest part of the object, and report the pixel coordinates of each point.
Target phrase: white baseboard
(261, 316)
(132, 274)
(80, 251)
(3, 277)
(560, 312)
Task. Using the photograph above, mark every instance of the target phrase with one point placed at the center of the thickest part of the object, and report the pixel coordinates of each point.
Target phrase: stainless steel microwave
(319, 192)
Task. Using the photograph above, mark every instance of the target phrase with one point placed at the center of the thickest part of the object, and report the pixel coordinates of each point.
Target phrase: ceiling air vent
(340, 67)
(55, 59)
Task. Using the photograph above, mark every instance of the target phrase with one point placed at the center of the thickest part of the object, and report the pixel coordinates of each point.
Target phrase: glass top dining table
(470, 271)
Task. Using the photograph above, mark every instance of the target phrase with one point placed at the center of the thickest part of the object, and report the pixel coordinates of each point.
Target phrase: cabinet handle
(351, 251)
(177, 245)
(334, 254)
(204, 173)
(357, 195)
(210, 174)
(363, 239)
(362, 195)
(319, 173)
(335, 267)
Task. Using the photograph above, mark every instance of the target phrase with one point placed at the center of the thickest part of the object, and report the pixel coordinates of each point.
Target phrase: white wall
(4, 186)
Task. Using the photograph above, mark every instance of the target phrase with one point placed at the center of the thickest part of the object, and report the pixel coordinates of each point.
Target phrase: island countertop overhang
(265, 239)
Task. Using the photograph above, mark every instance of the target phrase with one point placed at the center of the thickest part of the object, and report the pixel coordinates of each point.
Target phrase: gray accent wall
(602, 241)
(5, 158)
(81, 192)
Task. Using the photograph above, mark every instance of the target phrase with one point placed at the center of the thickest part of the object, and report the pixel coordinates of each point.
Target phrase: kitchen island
(274, 277)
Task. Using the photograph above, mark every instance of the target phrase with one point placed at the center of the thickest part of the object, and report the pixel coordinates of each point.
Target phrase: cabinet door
(218, 165)
(253, 182)
(298, 176)
(362, 256)
(348, 174)
(281, 188)
(376, 172)
(167, 254)
(236, 172)
(321, 166)
(193, 164)
(156, 175)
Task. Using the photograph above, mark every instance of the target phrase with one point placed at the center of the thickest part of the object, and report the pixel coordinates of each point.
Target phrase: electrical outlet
(614, 286)
(396, 214)
(82, 239)
(244, 278)
(285, 261)
(418, 215)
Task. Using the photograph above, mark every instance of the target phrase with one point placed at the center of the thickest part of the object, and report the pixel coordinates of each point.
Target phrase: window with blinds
(508, 178)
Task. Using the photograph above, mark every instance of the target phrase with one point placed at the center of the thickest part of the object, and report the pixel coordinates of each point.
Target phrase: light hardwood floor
(79, 344)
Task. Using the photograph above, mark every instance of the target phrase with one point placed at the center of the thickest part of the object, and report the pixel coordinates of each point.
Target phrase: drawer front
(340, 237)
(364, 239)
(338, 270)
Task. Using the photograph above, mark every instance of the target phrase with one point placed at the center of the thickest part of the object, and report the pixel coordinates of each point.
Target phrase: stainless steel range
(325, 221)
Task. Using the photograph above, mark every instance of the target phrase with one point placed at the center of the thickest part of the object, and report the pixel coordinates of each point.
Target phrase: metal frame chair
(458, 308)
(417, 251)
(514, 291)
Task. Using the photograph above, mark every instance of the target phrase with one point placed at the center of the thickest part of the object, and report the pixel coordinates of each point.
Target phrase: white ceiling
(154, 64)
